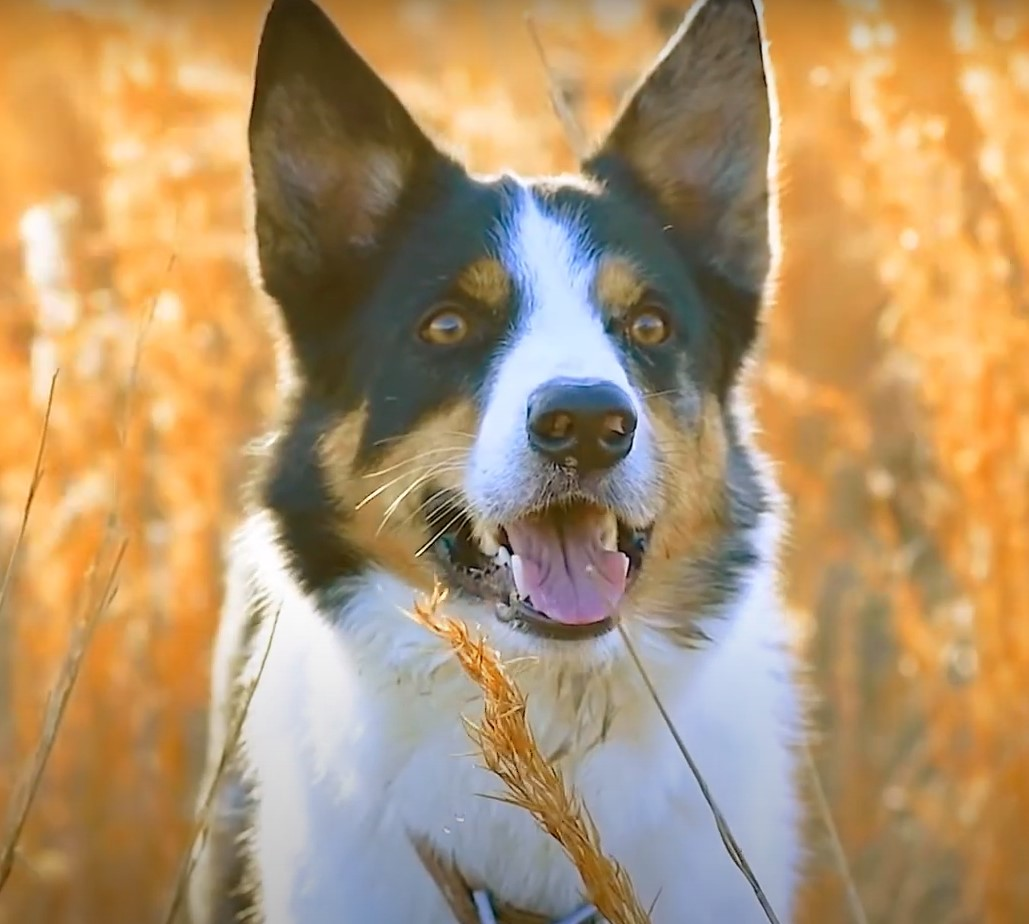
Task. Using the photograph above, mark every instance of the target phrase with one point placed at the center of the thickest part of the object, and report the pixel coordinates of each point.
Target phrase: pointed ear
(696, 134)
(332, 150)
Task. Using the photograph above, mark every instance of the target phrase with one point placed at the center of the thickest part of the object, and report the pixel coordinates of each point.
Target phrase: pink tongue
(565, 572)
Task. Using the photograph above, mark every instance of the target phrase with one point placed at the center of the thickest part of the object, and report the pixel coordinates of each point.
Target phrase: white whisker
(389, 440)
(445, 466)
(444, 509)
(412, 459)
(383, 487)
(428, 545)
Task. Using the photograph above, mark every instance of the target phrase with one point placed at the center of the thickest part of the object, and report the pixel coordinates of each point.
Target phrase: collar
(458, 891)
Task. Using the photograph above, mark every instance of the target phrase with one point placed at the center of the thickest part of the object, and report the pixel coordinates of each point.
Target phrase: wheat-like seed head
(509, 750)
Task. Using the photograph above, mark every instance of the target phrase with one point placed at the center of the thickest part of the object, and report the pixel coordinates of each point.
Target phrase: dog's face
(520, 388)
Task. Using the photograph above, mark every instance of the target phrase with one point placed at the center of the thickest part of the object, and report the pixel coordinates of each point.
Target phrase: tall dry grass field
(893, 391)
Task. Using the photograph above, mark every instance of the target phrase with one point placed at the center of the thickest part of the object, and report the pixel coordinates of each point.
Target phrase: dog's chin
(557, 573)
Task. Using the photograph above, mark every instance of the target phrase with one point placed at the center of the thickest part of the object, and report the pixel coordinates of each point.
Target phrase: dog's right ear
(332, 153)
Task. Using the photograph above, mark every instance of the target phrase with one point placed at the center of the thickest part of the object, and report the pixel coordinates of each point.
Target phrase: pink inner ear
(352, 183)
(331, 145)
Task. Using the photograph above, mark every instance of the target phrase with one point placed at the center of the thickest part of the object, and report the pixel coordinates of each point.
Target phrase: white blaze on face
(560, 333)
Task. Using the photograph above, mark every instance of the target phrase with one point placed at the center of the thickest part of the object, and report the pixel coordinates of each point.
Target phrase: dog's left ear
(696, 133)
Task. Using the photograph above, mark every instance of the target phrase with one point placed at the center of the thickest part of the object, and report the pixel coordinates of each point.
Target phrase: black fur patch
(291, 484)
(716, 318)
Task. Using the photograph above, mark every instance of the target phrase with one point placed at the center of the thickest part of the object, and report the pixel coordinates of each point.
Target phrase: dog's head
(523, 388)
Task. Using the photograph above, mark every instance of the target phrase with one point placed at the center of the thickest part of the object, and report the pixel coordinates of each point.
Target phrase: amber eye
(649, 326)
(446, 326)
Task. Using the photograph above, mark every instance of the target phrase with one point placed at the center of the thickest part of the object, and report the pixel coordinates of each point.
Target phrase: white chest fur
(352, 750)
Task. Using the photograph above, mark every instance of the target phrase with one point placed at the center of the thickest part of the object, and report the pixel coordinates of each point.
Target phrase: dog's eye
(445, 326)
(649, 326)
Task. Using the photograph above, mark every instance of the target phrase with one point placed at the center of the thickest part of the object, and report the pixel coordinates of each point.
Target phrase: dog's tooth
(518, 572)
(488, 543)
(609, 532)
(503, 556)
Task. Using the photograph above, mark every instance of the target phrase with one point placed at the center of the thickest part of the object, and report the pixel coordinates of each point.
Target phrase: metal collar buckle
(587, 914)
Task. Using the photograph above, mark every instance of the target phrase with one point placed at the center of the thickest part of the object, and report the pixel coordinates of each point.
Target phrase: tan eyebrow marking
(486, 281)
(617, 286)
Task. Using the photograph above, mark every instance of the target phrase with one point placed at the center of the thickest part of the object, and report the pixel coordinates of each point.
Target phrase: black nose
(587, 424)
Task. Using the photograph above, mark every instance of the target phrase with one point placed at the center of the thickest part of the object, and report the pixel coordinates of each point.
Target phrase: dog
(532, 391)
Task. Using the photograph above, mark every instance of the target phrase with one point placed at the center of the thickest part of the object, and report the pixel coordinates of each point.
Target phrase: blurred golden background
(889, 392)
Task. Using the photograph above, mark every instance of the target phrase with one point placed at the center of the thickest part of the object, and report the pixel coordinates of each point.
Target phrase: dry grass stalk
(57, 703)
(19, 810)
(724, 831)
(853, 896)
(30, 497)
(202, 820)
(98, 600)
(509, 750)
(97, 606)
(574, 133)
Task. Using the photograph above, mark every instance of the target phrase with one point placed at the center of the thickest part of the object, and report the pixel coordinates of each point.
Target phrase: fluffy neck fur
(355, 740)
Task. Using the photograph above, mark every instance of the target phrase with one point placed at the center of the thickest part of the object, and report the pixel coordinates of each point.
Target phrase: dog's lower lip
(524, 618)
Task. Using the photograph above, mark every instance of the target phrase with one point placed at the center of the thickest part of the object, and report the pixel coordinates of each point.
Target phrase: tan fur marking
(617, 286)
(487, 282)
(381, 502)
(338, 447)
(695, 515)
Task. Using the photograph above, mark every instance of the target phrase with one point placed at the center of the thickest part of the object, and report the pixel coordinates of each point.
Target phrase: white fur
(355, 739)
(560, 333)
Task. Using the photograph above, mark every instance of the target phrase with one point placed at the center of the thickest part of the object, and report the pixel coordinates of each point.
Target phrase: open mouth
(560, 572)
